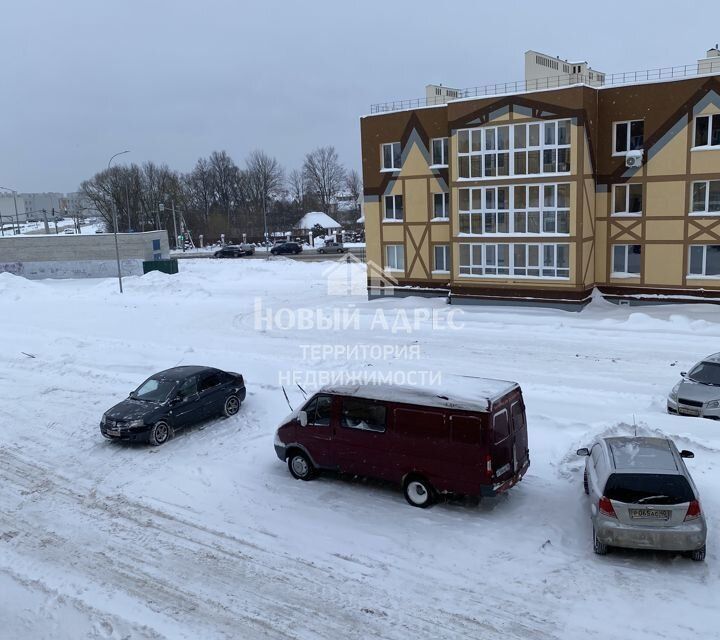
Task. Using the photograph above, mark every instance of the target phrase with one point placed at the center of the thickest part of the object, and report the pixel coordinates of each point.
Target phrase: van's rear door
(502, 445)
(519, 426)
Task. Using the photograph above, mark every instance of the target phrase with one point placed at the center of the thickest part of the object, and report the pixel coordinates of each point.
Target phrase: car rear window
(648, 488)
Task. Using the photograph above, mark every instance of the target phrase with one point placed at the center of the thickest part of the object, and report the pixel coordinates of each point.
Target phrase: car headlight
(103, 420)
(674, 392)
(713, 404)
(136, 423)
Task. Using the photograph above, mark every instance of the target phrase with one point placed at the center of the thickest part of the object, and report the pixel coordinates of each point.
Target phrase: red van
(429, 442)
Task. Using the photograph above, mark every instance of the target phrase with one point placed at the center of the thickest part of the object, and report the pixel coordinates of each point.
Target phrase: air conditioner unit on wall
(634, 159)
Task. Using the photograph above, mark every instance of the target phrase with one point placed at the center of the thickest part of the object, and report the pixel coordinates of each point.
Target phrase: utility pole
(47, 226)
(54, 217)
(127, 202)
(17, 220)
(115, 225)
(175, 225)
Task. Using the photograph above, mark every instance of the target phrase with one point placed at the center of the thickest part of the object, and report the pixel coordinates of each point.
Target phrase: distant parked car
(69, 231)
(235, 251)
(173, 399)
(642, 496)
(698, 393)
(286, 247)
(332, 247)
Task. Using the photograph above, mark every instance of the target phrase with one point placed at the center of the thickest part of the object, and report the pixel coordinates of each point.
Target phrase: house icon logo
(350, 276)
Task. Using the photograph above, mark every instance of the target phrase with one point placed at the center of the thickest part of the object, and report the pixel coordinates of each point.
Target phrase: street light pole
(115, 224)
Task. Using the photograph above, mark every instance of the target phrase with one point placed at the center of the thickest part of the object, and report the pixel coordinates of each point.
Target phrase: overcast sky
(173, 80)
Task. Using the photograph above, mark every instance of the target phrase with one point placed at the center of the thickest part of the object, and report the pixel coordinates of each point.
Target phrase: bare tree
(297, 185)
(353, 184)
(199, 188)
(324, 175)
(264, 180)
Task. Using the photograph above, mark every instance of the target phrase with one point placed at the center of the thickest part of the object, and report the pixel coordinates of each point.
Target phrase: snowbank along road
(210, 537)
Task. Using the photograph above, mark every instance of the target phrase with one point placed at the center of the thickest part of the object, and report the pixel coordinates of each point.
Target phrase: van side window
(466, 429)
(363, 414)
(420, 424)
(501, 426)
(319, 410)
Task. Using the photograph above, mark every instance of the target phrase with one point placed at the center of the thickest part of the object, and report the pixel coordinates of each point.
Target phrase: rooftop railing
(593, 79)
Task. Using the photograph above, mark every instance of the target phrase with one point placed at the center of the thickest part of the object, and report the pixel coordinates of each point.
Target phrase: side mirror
(686, 454)
(583, 452)
(302, 417)
(683, 374)
(175, 400)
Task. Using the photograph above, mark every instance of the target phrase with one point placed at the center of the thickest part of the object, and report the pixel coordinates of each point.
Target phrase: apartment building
(541, 196)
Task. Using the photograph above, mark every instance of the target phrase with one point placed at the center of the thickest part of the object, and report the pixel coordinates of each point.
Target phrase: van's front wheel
(418, 492)
(300, 466)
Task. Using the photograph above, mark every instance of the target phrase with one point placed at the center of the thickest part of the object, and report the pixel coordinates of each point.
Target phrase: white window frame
(618, 154)
(487, 141)
(626, 213)
(708, 146)
(445, 250)
(444, 153)
(392, 253)
(484, 260)
(703, 275)
(706, 211)
(394, 209)
(446, 206)
(383, 168)
(624, 273)
(488, 217)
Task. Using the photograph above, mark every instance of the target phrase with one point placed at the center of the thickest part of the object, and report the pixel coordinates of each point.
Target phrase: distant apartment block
(34, 206)
(541, 196)
(544, 72)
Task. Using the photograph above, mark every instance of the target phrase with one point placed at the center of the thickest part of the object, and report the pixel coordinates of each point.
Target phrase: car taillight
(606, 507)
(693, 511)
(488, 466)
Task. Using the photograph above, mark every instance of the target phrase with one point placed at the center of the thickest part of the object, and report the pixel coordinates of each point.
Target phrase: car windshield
(706, 373)
(648, 488)
(154, 390)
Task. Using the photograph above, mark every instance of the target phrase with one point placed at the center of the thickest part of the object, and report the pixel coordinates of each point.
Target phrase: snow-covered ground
(210, 537)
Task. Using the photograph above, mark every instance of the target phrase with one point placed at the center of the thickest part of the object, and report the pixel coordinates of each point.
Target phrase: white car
(69, 231)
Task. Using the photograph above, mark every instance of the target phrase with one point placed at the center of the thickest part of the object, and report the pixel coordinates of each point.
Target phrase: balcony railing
(706, 67)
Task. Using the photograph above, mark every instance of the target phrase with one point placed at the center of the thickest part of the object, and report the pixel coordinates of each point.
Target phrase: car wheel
(300, 466)
(599, 547)
(232, 406)
(339, 250)
(160, 433)
(418, 492)
(698, 555)
(585, 483)
(296, 252)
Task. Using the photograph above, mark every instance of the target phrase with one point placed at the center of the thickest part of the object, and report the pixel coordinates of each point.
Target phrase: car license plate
(650, 514)
(688, 412)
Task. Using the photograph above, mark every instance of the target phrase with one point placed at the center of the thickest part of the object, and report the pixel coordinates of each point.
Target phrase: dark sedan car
(286, 247)
(235, 251)
(173, 399)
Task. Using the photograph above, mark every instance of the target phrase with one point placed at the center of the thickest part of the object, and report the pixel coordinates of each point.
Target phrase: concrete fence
(80, 256)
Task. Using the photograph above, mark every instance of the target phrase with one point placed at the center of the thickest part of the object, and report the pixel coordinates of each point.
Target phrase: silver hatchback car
(642, 496)
(698, 393)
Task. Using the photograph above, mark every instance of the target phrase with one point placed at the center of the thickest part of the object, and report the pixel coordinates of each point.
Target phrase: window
(501, 426)
(395, 257)
(514, 150)
(441, 205)
(440, 152)
(542, 209)
(705, 261)
(707, 131)
(627, 199)
(465, 429)
(518, 260)
(188, 388)
(429, 425)
(442, 257)
(393, 207)
(706, 197)
(626, 259)
(209, 381)
(391, 156)
(319, 411)
(628, 136)
(363, 414)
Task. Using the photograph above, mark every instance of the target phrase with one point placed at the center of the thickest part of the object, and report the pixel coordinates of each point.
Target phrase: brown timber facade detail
(579, 233)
